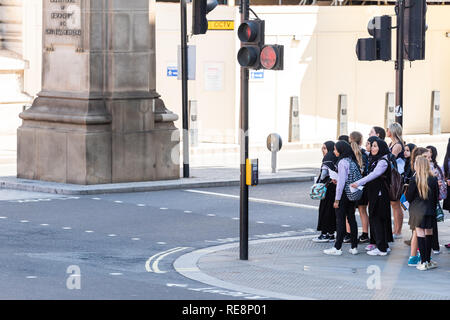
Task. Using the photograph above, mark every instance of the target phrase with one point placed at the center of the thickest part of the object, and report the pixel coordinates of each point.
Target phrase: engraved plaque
(62, 24)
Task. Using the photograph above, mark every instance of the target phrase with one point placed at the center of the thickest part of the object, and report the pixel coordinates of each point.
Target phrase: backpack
(353, 176)
(395, 187)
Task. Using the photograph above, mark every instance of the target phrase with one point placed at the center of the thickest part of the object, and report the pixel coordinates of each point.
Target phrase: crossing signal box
(379, 47)
(414, 29)
(252, 172)
(200, 8)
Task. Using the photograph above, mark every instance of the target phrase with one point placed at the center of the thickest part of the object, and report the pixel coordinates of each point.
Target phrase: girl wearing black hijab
(376, 183)
(344, 207)
(327, 214)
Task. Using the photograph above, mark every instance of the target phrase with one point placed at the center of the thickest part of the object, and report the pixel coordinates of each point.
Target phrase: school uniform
(379, 205)
(423, 212)
(346, 207)
(446, 205)
(327, 213)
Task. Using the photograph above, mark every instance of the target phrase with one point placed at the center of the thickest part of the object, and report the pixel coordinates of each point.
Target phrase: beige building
(320, 64)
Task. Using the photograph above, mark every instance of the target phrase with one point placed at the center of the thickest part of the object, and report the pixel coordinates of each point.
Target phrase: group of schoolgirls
(348, 170)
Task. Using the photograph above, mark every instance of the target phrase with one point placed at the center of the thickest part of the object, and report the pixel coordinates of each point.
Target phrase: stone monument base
(105, 141)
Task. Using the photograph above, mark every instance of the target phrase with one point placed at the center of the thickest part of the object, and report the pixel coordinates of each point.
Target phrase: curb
(186, 265)
(72, 189)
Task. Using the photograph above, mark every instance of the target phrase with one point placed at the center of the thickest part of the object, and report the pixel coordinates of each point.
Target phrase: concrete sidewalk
(295, 268)
(200, 178)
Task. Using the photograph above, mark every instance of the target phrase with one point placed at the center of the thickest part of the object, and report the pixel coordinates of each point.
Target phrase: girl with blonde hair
(423, 193)
(397, 148)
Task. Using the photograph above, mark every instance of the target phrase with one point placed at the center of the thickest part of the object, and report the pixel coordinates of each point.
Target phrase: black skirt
(327, 213)
(418, 218)
(427, 222)
(364, 201)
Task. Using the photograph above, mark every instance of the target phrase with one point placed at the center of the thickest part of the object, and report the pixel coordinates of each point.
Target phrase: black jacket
(433, 195)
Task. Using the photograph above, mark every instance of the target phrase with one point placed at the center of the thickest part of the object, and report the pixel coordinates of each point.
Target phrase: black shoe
(347, 239)
(363, 238)
(322, 238)
(331, 238)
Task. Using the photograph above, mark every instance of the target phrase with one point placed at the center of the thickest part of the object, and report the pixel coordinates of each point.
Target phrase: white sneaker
(436, 251)
(333, 251)
(376, 252)
(422, 266)
(432, 265)
(353, 251)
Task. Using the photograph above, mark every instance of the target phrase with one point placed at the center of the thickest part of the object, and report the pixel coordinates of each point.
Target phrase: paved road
(124, 245)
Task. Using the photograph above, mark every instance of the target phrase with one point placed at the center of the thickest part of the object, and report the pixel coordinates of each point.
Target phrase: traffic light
(200, 8)
(254, 54)
(251, 34)
(414, 29)
(271, 57)
(379, 47)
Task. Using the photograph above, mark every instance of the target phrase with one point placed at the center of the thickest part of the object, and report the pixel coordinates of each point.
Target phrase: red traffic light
(248, 31)
(272, 57)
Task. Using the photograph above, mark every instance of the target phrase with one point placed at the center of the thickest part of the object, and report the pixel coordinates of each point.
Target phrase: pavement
(295, 268)
(205, 177)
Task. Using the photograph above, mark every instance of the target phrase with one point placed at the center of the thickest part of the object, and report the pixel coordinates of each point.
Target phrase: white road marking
(112, 235)
(67, 228)
(44, 224)
(116, 274)
(163, 208)
(260, 222)
(235, 218)
(176, 285)
(286, 226)
(187, 211)
(24, 221)
(280, 203)
(118, 201)
(89, 231)
(3, 217)
(141, 205)
(31, 277)
(161, 242)
(135, 239)
(211, 215)
(96, 199)
(158, 257)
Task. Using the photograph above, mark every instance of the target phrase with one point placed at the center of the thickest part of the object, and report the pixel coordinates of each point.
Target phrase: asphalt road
(122, 246)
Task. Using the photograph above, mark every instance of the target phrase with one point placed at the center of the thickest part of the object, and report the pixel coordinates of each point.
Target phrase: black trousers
(435, 241)
(379, 228)
(346, 210)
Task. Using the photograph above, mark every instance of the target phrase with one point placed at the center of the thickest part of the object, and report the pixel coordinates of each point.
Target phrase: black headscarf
(330, 158)
(383, 149)
(344, 138)
(345, 151)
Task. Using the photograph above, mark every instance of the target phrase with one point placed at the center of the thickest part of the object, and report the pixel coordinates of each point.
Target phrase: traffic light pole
(184, 89)
(400, 63)
(244, 148)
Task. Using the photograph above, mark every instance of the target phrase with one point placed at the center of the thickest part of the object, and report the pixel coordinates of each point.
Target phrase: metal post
(184, 89)
(244, 149)
(400, 63)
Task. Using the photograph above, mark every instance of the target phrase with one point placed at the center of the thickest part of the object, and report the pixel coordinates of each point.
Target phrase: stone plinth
(98, 118)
